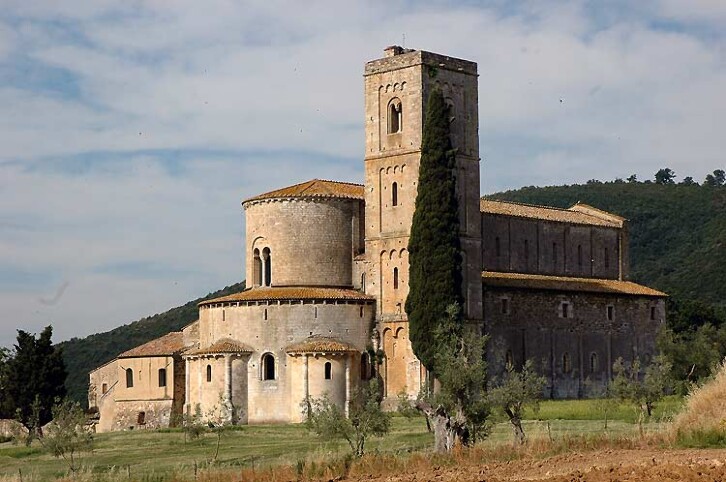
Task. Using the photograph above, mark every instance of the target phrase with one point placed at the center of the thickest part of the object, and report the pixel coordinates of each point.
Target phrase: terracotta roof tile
(320, 344)
(577, 214)
(564, 283)
(224, 345)
(167, 345)
(314, 188)
(292, 293)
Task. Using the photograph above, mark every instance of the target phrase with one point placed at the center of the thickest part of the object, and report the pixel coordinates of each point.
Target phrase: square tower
(396, 91)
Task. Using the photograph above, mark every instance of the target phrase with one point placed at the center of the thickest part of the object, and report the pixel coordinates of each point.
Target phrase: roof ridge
(541, 206)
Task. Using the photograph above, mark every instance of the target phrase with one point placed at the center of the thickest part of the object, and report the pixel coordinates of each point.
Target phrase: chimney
(393, 50)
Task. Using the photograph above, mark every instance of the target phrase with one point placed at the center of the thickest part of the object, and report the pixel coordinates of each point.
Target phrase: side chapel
(327, 276)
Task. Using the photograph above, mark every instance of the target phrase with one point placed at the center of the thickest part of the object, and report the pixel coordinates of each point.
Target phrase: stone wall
(550, 248)
(142, 414)
(312, 241)
(103, 384)
(574, 347)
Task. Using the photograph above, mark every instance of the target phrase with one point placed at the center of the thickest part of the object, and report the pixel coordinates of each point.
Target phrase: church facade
(327, 277)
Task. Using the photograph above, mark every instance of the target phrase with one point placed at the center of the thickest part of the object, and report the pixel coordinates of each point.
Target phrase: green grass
(159, 455)
(594, 410)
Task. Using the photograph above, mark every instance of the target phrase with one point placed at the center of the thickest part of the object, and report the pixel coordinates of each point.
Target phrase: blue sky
(131, 131)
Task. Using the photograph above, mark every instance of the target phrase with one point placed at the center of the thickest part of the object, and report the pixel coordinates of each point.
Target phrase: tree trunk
(519, 436)
(446, 430)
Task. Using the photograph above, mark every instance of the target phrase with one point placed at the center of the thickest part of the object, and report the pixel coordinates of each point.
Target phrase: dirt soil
(604, 465)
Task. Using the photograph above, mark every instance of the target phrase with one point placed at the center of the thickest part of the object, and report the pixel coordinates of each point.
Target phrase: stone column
(228, 388)
(187, 388)
(306, 379)
(199, 379)
(347, 385)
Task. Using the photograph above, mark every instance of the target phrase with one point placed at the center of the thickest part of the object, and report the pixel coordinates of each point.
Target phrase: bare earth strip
(606, 465)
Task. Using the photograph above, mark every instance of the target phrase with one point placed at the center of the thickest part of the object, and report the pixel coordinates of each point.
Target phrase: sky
(131, 131)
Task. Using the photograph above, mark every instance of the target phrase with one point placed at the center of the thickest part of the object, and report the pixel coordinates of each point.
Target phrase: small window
(129, 378)
(611, 312)
(497, 247)
(316, 312)
(509, 359)
(268, 366)
(566, 309)
(505, 306)
(652, 312)
(141, 418)
(593, 363)
(104, 388)
(209, 373)
(606, 255)
(394, 194)
(223, 316)
(265, 314)
(162, 377)
(328, 370)
(361, 312)
(566, 363)
(395, 117)
(395, 278)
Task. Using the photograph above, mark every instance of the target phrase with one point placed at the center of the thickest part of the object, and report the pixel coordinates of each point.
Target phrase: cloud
(130, 132)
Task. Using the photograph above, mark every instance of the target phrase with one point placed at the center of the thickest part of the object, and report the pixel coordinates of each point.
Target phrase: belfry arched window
(394, 194)
(267, 258)
(129, 378)
(256, 268)
(268, 366)
(395, 116)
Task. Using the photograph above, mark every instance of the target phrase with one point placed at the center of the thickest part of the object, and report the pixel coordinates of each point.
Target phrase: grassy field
(164, 455)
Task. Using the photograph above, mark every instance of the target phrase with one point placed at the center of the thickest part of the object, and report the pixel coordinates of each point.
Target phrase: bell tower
(396, 89)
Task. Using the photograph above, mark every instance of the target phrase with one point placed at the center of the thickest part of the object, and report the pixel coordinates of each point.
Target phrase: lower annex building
(327, 276)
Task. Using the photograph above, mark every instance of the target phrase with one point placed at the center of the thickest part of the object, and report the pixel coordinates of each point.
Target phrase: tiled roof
(167, 345)
(577, 214)
(564, 283)
(315, 188)
(292, 293)
(320, 344)
(224, 345)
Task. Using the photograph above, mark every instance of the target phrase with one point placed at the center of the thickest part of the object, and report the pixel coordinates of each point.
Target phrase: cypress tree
(435, 279)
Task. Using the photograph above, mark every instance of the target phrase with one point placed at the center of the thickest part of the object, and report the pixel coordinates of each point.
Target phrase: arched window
(268, 366)
(364, 364)
(566, 363)
(257, 268)
(162, 377)
(509, 359)
(268, 266)
(395, 278)
(593, 362)
(129, 378)
(394, 194)
(328, 370)
(209, 373)
(395, 117)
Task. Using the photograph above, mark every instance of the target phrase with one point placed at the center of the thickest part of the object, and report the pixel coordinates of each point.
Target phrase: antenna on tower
(403, 42)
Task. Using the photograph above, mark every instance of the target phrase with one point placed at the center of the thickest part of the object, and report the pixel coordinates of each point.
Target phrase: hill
(677, 232)
(82, 355)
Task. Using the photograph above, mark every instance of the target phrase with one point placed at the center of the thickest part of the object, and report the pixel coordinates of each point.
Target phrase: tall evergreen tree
(435, 279)
(35, 370)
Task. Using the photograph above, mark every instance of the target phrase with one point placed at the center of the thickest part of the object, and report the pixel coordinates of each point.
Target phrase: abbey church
(327, 279)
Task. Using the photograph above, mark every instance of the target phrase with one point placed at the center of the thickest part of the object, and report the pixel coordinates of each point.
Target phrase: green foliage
(517, 390)
(717, 179)
(366, 419)
(702, 438)
(435, 278)
(642, 388)
(665, 176)
(67, 436)
(676, 231)
(84, 354)
(33, 372)
(693, 353)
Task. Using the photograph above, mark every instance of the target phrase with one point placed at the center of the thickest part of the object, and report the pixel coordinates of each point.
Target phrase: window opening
(104, 388)
(611, 313)
(265, 313)
(328, 370)
(509, 359)
(505, 306)
(363, 282)
(652, 312)
(395, 117)
(364, 366)
(395, 278)
(268, 366)
(361, 312)
(223, 316)
(566, 312)
(162, 377)
(268, 266)
(316, 312)
(257, 268)
(593, 363)
(141, 418)
(394, 194)
(209, 373)
(129, 378)
(566, 363)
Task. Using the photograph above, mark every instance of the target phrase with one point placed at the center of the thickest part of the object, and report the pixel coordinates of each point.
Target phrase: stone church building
(327, 276)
